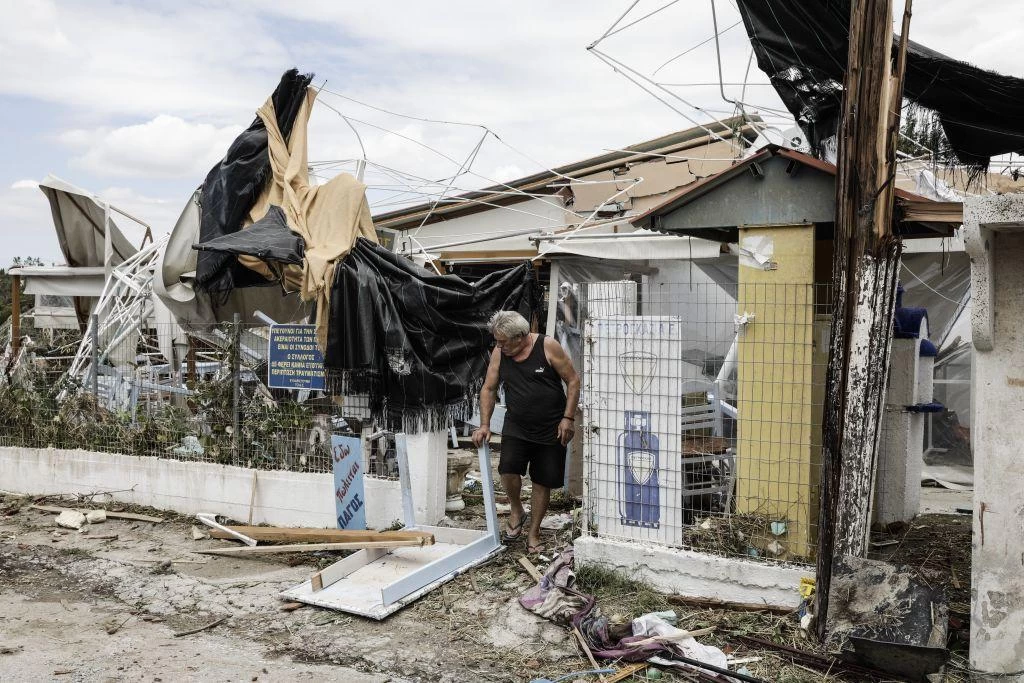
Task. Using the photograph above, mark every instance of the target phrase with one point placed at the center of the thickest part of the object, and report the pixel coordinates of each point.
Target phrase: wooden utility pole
(865, 268)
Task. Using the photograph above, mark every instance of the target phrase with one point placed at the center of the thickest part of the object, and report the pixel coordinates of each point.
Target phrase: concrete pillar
(428, 472)
(777, 477)
(901, 445)
(994, 231)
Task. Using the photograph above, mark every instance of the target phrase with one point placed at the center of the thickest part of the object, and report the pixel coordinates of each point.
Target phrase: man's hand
(481, 436)
(566, 428)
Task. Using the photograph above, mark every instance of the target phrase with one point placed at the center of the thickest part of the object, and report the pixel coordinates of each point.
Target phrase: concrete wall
(282, 498)
(695, 574)
(994, 228)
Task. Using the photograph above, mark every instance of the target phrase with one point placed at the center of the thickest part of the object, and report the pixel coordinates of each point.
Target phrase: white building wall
(995, 241)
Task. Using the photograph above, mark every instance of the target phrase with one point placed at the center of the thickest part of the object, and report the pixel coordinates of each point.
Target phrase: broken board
(272, 534)
(377, 582)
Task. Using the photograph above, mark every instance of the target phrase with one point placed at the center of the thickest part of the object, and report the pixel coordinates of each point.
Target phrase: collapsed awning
(641, 245)
(62, 280)
(82, 222)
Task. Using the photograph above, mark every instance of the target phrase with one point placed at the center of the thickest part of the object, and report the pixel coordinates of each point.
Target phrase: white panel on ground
(374, 584)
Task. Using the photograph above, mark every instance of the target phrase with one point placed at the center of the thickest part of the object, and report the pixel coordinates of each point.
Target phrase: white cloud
(26, 184)
(116, 57)
(26, 227)
(160, 214)
(166, 146)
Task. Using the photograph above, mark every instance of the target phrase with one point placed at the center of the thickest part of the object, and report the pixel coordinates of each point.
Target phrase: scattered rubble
(70, 519)
(476, 615)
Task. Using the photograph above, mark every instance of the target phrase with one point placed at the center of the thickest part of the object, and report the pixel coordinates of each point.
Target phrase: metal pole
(15, 315)
(191, 362)
(94, 333)
(235, 387)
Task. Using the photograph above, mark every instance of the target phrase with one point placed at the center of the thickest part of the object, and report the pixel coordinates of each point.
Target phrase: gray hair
(508, 323)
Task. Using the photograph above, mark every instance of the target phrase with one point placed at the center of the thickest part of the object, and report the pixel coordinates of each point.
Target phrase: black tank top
(534, 396)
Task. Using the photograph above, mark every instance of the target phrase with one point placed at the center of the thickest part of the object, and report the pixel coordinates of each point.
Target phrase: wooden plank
(713, 603)
(915, 211)
(15, 316)
(252, 496)
(272, 534)
(531, 569)
(625, 672)
(110, 514)
(309, 547)
(586, 649)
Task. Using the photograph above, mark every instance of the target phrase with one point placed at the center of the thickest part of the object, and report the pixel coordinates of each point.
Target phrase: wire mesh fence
(213, 405)
(702, 412)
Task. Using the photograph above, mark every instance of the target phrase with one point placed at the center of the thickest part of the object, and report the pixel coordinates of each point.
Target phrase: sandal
(534, 549)
(512, 533)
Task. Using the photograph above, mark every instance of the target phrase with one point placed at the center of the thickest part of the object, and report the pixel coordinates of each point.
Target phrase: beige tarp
(329, 217)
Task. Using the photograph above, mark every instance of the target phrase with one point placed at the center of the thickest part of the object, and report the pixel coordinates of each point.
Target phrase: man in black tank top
(538, 420)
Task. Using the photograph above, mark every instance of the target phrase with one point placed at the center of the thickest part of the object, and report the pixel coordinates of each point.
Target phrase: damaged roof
(778, 185)
(539, 183)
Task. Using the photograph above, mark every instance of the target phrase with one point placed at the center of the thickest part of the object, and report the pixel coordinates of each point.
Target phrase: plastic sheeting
(415, 342)
(236, 182)
(268, 239)
(802, 47)
(174, 283)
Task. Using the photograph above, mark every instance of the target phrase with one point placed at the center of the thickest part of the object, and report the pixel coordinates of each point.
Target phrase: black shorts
(546, 461)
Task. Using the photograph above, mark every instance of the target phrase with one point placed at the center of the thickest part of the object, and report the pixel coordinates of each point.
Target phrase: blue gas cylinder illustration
(638, 456)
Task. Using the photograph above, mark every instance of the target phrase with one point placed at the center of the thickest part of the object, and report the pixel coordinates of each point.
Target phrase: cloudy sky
(136, 100)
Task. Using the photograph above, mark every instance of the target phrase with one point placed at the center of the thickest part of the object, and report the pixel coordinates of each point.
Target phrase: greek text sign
(349, 496)
(295, 360)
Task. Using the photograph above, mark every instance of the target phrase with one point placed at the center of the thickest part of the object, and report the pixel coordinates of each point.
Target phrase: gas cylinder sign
(633, 390)
(349, 497)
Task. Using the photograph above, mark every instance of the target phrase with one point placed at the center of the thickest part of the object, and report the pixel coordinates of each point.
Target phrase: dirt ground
(81, 607)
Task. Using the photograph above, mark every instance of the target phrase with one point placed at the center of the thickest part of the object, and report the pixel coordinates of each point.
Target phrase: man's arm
(562, 364)
(488, 396)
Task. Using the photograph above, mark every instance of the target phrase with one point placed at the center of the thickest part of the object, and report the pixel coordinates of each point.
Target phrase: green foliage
(922, 135)
(37, 411)
(6, 303)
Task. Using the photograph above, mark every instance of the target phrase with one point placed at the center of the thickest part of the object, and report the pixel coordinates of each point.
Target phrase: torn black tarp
(415, 342)
(802, 46)
(233, 185)
(268, 239)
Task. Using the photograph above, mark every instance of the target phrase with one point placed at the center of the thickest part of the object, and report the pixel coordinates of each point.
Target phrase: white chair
(700, 477)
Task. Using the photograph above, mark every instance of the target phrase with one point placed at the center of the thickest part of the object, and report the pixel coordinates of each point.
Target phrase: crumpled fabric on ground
(556, 599)
(654, 628)
(547, 600)
(415, 342)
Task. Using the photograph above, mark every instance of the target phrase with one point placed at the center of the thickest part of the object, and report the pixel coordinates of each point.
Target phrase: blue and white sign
(349, 496)
(633, 399)
(294, 360)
